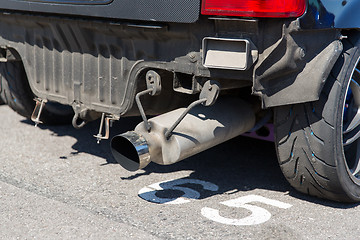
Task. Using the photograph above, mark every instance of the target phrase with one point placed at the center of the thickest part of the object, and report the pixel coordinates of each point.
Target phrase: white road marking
(149, 193)
(258, 214)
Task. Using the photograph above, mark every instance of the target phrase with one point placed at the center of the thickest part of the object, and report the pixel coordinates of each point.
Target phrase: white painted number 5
(258, 214)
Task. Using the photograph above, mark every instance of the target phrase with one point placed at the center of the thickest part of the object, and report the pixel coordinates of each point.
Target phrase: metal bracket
(208, 97)
(153, 83)
(75, 121)
(39, 106)
(108, 123)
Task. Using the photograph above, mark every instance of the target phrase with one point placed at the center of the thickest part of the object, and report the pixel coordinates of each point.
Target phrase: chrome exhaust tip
(130, 150)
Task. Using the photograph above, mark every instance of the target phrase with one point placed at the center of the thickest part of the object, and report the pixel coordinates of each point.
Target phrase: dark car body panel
(180, 11)
(80, 2)
(320, 13)
(331, 14)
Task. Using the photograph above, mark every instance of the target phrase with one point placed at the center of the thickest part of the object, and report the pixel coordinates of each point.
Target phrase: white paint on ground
(258, 214)
(149, 193)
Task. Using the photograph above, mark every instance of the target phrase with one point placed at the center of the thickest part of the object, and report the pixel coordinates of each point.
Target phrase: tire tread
(309, 132)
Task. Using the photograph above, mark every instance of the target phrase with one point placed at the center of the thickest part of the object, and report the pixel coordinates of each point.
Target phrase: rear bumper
(101, 65)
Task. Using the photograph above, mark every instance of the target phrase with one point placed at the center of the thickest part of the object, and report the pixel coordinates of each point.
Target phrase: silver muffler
(201, 129)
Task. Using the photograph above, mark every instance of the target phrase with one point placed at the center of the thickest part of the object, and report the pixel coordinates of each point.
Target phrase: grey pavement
(57, 183)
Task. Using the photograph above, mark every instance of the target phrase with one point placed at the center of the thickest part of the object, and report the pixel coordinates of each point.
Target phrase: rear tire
(311, 137)
(16, 93)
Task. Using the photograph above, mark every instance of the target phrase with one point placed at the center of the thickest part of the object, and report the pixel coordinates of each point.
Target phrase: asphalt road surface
(57, 183)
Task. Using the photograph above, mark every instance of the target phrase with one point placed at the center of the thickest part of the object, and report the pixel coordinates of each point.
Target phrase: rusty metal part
(108, 122)
(39, 106)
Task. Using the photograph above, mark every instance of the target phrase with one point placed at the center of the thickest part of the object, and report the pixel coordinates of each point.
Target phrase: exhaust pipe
(201, 129)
